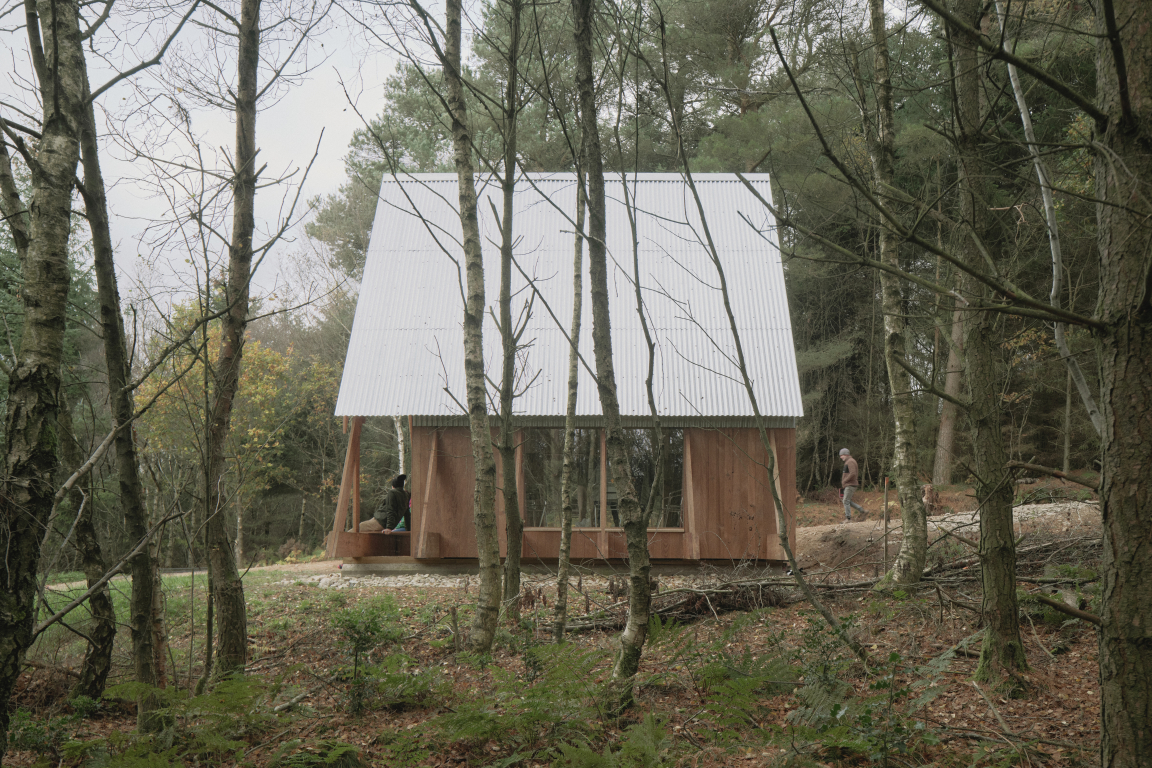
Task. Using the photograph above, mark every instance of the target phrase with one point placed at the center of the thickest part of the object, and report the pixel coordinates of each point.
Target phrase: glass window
(663, 490)
(543, 465)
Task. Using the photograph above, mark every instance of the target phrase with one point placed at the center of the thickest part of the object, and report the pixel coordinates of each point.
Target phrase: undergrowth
(797, 697)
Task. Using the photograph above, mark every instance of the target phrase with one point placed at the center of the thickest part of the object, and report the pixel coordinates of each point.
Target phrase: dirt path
(861, 543)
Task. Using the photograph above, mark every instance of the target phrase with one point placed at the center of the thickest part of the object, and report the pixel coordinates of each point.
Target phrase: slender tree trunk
(102, 631)
(566, 477)
(514, 526)
(231, 610)
(484, 498)
(631, 515)
(12, 208)
(400, 449)
(31, 435)
(209, 633)
(239, 549)
(1002, 651)
(1124, 348)
(1044, 179)
(156, 614)
(1068, 424)
(945, 437)
(144, 581)
(303, 504)
(909, 564)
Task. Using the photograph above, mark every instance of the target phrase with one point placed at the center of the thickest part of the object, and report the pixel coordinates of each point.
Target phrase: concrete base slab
(406, 565)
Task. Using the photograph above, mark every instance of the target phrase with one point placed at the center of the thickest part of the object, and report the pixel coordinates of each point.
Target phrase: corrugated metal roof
(407, 348)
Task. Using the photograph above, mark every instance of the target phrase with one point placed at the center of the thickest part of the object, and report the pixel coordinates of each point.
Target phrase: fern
(331, 754)
(647, 746)
(563, 700)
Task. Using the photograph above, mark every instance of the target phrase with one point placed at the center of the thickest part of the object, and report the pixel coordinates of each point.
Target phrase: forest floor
(746, 677)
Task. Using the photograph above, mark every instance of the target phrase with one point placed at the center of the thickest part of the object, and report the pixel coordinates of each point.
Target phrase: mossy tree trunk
(1002, 652)
(631, 515)
(228, 590)
(145, 584)
(102, 629)
(1124, 345)
(32, 432)
(484, 497)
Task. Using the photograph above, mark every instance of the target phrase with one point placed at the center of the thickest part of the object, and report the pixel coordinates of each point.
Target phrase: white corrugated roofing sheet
(406, 352)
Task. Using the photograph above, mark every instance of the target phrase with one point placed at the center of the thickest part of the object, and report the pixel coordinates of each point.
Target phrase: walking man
(849, 482)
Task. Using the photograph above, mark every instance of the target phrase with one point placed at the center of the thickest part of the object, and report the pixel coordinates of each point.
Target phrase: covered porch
(712, 501)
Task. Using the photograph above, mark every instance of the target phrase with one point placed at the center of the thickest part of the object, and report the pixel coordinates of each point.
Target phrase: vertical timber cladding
(443, 486)
(731, 499)
(727, 507)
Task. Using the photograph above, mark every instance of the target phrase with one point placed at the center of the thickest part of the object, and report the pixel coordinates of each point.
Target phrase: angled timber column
(521, 484)
(423, 476)
(784, 444)
(688, 503)
(602, 536)
(356, 476)
(349, 482)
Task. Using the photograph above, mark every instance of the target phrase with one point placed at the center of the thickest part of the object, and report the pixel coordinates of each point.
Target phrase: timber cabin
(405, 357)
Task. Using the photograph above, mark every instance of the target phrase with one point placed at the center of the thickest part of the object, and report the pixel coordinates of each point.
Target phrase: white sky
(287, 134)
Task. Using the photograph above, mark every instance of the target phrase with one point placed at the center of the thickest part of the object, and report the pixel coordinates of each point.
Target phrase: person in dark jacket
(394, 514)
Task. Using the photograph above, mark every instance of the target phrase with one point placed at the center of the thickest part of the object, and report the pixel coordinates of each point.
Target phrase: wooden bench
(349, 544)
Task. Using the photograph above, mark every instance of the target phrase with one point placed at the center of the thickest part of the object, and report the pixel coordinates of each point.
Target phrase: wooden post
(603, 535)
(785, 518)
(345, 489)
(885, 525)
(356, 474)
(688, 502)
(521, 484)
(420, 547)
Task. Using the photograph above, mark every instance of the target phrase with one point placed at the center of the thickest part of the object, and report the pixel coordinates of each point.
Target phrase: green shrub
(45, 736)
(364, 627)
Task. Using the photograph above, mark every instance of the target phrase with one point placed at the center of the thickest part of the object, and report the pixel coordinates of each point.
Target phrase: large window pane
(644, 457)
(543, 463)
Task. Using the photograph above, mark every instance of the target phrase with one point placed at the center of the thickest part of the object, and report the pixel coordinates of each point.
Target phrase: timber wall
(727, 501)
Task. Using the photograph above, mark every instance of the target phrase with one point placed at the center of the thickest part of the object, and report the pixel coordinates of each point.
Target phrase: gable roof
(406, 345)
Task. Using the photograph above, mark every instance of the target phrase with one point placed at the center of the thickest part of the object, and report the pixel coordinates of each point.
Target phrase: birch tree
(881, 140)
(42, 235)
(484, 497)
(568, 471)
(631, 515)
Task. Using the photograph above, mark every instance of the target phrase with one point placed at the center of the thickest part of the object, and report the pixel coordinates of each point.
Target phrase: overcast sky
(287, 134)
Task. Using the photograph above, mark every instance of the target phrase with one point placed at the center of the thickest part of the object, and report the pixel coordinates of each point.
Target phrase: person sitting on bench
(394, 514)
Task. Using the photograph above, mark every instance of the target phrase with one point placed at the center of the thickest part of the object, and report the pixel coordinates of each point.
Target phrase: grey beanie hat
(845, 452)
